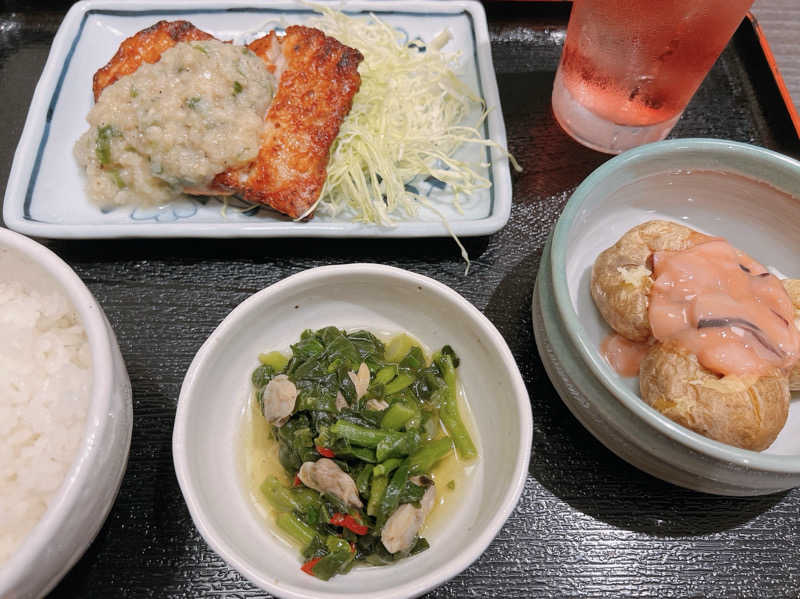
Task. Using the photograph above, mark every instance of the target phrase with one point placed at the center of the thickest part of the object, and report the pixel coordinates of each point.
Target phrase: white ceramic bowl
(85, 497)
(750, 196)
(381, 299)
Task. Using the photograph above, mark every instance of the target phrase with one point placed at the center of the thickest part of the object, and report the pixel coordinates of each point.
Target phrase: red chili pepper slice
(309, 565)
(297, 481)
(325, 452)
(348, 522)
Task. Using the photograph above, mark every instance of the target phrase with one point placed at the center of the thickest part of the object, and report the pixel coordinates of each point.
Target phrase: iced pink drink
(637, 63)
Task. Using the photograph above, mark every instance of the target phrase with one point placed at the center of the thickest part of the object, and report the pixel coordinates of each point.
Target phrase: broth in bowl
(351, 445)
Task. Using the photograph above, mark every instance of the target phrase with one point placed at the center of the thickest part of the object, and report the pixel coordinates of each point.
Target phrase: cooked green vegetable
(386, 467)
(332, 563)
(400, 382)
(364, 478)
(275, 360)
(384, 375)
(391, 496)
(300, 499)
(117, 177)
(357, 445)
(295, 528)
(359, 435)
(376, 492)
(102, 147)
(397, 445)
(449, 409)
(423, 460)
(397, 416)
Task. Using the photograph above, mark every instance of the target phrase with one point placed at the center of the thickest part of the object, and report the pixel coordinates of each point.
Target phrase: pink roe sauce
(725, 308)
(624, 355)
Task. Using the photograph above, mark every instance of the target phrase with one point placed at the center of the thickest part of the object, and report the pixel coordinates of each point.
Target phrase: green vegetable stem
(376, 492)
(423, 460)
(396, 416)
(449, 408)
(400, 382)
(359, 435)
(295, 528)
(391, 496)
(397, 445)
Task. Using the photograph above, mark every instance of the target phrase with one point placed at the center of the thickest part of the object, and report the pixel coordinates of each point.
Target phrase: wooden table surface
(588, 524)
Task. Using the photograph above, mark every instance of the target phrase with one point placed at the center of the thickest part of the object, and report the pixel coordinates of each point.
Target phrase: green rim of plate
(729, 153)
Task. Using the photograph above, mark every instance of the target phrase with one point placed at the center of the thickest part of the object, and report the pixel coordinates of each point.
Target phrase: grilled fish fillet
(317, 79)
(145, 46)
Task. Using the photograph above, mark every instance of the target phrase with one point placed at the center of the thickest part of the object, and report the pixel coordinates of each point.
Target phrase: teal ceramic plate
(749, 195)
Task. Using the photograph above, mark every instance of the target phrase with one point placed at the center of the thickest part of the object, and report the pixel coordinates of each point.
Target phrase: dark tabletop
(588, 524)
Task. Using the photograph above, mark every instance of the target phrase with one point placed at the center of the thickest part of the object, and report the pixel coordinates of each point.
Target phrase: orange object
(773, 66)
(318, 77)
(309, 566)
(325, 452)
(624, 355)
(723, 307)
(349, 522)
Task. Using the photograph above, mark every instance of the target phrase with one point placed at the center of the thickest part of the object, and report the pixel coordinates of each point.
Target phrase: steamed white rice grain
(45, 381)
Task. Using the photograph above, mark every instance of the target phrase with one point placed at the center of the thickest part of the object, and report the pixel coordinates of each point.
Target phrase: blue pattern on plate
(174, 211)
(37, 147)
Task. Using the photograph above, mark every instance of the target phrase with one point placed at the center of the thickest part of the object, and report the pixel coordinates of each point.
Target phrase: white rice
(45, 381)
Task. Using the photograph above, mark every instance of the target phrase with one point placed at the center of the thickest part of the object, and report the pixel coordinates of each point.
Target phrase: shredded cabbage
(406, 123)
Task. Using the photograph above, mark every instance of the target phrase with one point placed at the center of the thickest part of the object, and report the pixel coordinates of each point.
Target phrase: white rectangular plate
(45, 195)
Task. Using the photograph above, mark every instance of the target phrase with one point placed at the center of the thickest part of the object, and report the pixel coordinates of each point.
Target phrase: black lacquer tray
(588, 524)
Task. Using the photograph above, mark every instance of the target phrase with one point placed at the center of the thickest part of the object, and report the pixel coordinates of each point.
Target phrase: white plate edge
(25, 153)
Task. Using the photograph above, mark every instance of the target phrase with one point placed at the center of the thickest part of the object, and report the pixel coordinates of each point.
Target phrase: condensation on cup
(630, 67)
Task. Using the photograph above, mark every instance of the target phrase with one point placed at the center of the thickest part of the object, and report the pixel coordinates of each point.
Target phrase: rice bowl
(45, 379)
(56, 506)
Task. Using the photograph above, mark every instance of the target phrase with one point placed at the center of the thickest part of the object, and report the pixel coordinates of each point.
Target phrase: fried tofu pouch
(747, 412)
(622, 274)
(792, 287)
